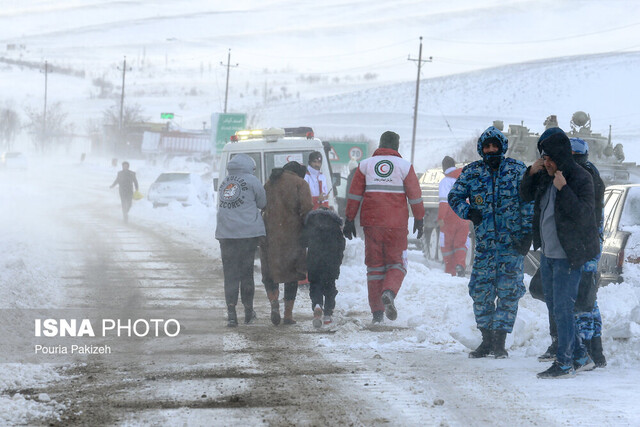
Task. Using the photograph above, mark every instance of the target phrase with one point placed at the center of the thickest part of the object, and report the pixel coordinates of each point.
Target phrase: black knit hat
(447, 163)
(389, 140)
(316, 155)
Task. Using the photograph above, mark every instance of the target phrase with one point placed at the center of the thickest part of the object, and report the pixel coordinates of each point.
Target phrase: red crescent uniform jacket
(445, 213)
(383, 183)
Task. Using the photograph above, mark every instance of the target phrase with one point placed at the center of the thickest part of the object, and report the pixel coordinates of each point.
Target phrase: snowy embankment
(29, 278)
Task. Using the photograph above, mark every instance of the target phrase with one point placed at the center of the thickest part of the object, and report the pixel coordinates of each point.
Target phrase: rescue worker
(502, 224)
(454, 230)
(317, 181)
(126, 181)
(383, 183)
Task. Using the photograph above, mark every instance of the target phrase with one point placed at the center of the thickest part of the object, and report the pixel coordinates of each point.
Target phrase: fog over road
(259, 374)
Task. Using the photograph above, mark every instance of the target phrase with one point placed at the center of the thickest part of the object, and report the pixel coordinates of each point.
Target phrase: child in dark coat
(322, 235)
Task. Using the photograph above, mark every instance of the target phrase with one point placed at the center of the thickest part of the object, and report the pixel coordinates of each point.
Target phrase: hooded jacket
(506, 217)
(322, 235)
(240, 199)
(575, 202)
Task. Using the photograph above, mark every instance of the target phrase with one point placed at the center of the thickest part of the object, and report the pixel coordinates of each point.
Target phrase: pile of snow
(29, 278)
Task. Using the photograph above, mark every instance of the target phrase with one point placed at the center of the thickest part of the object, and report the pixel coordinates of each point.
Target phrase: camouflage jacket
(506, 217)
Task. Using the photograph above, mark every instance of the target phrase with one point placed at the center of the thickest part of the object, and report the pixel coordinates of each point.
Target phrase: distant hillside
(455, 108)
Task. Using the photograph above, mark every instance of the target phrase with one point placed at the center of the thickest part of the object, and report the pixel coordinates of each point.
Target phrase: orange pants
(385, 254)
(454, 247)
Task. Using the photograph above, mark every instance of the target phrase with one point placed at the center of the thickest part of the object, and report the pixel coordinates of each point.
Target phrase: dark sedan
(621, 220)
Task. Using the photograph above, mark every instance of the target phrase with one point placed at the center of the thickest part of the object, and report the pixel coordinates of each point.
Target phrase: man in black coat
(126, 181)
(564, 226)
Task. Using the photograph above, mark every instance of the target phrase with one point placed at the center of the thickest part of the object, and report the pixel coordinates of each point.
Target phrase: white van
(273, 148)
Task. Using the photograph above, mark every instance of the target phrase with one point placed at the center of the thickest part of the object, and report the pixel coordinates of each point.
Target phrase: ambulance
(273, 148)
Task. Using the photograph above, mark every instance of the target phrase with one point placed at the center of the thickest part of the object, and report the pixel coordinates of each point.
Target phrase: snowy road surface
(265, 375)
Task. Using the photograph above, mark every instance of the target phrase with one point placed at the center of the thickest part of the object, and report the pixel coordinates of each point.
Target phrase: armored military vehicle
(523, 145)
(609, 159)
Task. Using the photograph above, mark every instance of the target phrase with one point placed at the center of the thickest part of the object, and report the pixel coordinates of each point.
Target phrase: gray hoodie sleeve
(261, 195)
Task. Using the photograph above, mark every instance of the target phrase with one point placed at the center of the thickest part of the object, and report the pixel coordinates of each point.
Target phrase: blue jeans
(560, 285)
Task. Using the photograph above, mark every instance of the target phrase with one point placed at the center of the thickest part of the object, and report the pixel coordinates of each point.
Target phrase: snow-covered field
(305, 63)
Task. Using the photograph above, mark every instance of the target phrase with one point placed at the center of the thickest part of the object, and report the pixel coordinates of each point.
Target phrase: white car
(13, 160)
(184, 187)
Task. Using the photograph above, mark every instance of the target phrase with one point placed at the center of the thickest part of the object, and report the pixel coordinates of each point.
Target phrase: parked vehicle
(272, 148)
(185, 187)
(13, 160)
(621, 232)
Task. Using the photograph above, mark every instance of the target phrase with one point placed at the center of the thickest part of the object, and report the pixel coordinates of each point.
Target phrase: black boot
(596, 352)
(232, 318)
(484, 349)
(249, 315)
(499, 337)
(550, 354)
(389, 307)
(378, 317)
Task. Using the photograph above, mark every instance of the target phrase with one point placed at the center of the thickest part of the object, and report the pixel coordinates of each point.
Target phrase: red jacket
(383, 183)
(445, 213)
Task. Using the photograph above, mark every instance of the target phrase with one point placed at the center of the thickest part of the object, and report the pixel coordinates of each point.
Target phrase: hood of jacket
(493, 132)
(554, 143)
(322, 218)
(241, 163)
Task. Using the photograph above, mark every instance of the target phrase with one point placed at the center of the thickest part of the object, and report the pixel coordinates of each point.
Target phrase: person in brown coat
(283, 260)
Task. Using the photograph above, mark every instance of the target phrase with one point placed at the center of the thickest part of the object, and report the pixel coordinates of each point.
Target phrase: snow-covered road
(165, 262)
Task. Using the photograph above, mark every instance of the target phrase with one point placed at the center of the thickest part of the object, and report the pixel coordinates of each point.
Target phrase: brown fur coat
(288, 202)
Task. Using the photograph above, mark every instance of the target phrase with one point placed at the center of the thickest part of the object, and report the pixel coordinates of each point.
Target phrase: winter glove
(475, 216)
(418, 225)
(523, 245)
(349, 229)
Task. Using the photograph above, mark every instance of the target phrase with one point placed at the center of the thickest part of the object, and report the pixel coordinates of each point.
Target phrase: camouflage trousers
(589, 324)
(496, 287)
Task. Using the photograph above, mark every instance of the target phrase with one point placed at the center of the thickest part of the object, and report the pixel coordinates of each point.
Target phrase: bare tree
(9, 127)
(55, 131)
(131, 118)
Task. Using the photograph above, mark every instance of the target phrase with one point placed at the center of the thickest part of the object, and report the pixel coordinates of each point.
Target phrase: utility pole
(226, 90)
(124, 71)
(415, 107)
(44, 112)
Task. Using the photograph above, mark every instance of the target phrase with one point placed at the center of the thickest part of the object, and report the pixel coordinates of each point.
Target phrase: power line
(124, 71)
(415, 108)
(226, 91)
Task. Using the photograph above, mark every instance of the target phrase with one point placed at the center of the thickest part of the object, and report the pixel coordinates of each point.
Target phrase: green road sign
(166, 115)
(225, 125)
(344, 151)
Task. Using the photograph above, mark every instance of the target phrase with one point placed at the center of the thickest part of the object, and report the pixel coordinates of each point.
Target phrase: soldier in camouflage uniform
(487, 193)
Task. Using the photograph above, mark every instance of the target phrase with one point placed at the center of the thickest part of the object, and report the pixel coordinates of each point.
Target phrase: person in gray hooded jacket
(239, 226)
